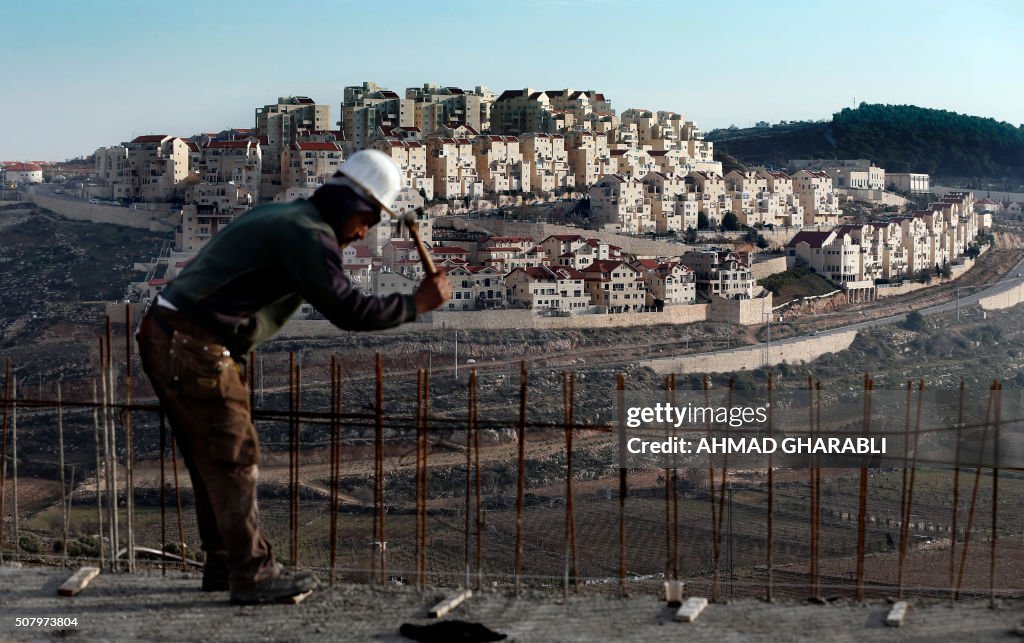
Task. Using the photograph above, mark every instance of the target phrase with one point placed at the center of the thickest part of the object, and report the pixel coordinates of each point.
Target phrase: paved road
(141, 607)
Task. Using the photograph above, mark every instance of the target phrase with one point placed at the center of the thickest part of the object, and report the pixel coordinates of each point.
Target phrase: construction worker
(236, 293)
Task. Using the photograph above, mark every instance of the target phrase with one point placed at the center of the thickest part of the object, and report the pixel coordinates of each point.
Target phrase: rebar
(129, 438)
(333, 544)
(419, 479)
(974, 496)
(905, 540)
(292, 526)
(111, 434)
(862, 504)
(623, 488)
(569, 573)
(770, 546)
(14, 468)
(163, 490)
(956, 494)
(479, 490)
(716, 542)
(995, 496)
(520, 477)
(99, 468)
(812, 576)
(177, 496)
(675, 491)
(469, 474)
(296, 483)
(63, 488)
(426, 477)
(3, 454)
(379, 451)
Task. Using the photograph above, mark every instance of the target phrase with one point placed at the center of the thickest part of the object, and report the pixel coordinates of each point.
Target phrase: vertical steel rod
(478, 485)
(716, 544)
(63, 488)
(291, 455)
(109, 398)
(995, 496)
(974, 496)
(177, 496)
(99, 466)
(426, 476)
(905, 543)
(333, 495)
(520, 477)
(3, 454)
(862, 505)
(298, 461)
(129, 437)
(163, 490)
(675, 490)
(469, 476)
(14, 468)
(906, 477)
(623, 485)
(419, 479)
(770, 553)
(956, 494)
(380, 466)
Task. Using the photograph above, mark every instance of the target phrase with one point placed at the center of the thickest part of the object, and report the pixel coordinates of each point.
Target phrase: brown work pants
(202, 392)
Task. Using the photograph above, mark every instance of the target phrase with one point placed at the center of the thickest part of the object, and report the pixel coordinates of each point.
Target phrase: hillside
(900, 138)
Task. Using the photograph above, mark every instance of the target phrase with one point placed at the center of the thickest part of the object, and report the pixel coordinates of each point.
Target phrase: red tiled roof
(149, 138)
(812, 237)
(23, 167)
(333, 147)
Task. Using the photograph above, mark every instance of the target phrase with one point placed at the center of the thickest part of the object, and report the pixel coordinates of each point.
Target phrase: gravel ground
(151, 607)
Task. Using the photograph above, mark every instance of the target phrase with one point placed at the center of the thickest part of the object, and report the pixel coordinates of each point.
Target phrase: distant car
(94, 201)
(471, 361)
(58, 191)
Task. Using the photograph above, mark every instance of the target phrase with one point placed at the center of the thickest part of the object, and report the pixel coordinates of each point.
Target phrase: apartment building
(713, 199)
(618, 203)
(589, 156)
(368, 106)
(411, 158)
(592, 250)
(518, 111)
(500, 164)
(548, 162)
(310, 164)
(783, 206)
(239, 162)
(813, 188)
(452, 165)
(632, 162)
(436, 106)
(505, 254)
(158, 166)
(721, 273)
(475, 288)
(208, 208)
(673, 205)
(281, 123)
(615, 285)
(112, 169)
(666, 283)
(908, 182)
(848, 178)
(556, 289)
(750, 197)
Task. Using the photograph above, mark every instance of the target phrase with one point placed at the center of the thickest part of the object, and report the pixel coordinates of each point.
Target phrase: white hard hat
(373, 175)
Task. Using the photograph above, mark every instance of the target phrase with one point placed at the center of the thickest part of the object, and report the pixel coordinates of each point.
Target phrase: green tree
(730, 222)
(702, 221)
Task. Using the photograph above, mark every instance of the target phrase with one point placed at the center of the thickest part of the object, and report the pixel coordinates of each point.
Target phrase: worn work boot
(215, 574)
(282, 585)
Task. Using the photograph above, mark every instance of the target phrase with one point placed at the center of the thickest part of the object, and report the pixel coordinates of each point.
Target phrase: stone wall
(747, 312)
(539, 231)
(1005, 299)
(742, 359)
(503, 319)
(762, 269)
(85, 211)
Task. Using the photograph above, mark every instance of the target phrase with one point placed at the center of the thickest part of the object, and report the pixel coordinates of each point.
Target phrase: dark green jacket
(253, 275)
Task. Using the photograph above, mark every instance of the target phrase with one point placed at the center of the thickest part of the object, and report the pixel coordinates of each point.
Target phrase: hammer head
(408, 219)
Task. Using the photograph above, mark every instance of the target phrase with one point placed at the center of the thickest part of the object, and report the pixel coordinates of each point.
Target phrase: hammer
(408, 219)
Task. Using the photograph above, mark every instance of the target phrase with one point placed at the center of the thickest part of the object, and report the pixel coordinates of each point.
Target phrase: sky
(80, 75)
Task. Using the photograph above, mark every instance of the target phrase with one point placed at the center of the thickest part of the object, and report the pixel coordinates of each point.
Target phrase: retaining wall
(84, 211)
(743, 359)
(1006, 299)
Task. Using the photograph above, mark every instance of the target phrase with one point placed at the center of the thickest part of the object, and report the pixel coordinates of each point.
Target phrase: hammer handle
(428, 261)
